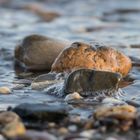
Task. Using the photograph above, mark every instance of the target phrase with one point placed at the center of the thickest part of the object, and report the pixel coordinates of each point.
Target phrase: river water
(114, 22)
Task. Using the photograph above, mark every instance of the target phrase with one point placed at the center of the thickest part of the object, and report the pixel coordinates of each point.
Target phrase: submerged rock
(11, 125)
(38, 52)
(95, 56)
(89, 82)
(120, 116)
(41, 112)
(45, 80)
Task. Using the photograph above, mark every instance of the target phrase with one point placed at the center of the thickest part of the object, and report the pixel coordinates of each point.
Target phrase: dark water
(115, 22)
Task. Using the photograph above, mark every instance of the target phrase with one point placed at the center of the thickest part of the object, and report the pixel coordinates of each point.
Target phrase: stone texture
(41, 112)
(120, 116)
(11, 125)
(38, 52)
(89, 82)
(95, 56)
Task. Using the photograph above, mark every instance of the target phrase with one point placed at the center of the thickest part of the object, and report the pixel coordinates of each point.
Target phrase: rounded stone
(73, 96)
(123, 112)
(37, 52)
(95, 56)
(11, 124)
(5, 90)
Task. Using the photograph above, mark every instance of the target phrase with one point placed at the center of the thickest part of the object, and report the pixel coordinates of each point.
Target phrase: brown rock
(38, 52)
(125, 114)
(11, 124)
(95, 56)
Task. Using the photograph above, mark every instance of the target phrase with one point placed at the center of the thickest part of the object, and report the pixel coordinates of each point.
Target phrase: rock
(123, 112)
(63, 131)
(95, 56)
(42, 13)
(11, 125)
(38, 52)
(36, 135)
(91, 82)
(45, 80)
(73, 96)
(121, 116)
(41, 112)
(5, 90)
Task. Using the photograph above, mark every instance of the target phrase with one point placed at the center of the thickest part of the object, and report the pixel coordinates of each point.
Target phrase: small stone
(95, 56)
(91, 82)
(5, 90)
(72, 128)
(112, 101)
(44, 81)
(73, 96)
(37, 52)
(51, 125)
(63, 131)
(18, 86)
(11, 125)
(88, 133)
(41, 112)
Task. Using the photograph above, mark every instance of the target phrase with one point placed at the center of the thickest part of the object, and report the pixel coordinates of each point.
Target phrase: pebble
(11, 124)
(73, 96)
(91, 56)
(5, 90)
(63, 131)
(38, 52)
(72, 128)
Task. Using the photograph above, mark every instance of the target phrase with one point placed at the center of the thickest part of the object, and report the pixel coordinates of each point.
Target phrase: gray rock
(91, 82)
(42, 112)
(37, 52)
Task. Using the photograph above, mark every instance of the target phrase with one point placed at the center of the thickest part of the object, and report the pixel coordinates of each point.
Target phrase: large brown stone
(38, 52)
(95, 56)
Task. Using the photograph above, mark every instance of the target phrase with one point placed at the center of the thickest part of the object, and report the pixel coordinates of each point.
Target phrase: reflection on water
(114, 22)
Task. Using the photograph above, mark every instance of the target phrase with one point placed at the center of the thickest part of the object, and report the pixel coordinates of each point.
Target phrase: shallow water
(114, 22)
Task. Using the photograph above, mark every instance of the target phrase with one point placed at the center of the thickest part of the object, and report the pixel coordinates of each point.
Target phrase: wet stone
(73, 96)
(11, 125)
(5, 90)
(45, 80)
(91, 56)
(121, 117)
(42, 112)
(89, 82)
(37, 52)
